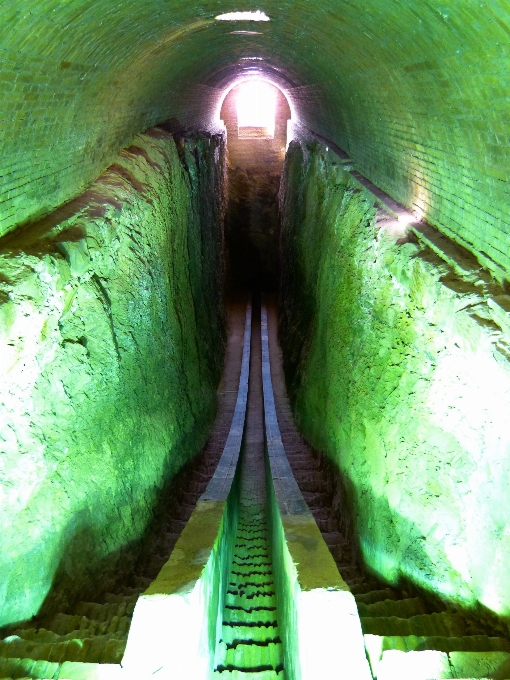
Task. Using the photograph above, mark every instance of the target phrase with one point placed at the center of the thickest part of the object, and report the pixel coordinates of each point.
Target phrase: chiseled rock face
(398, 367)
(111, 337)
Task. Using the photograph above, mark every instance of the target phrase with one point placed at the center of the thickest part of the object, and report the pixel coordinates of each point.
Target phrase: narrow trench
(250, 638)
(95, 630)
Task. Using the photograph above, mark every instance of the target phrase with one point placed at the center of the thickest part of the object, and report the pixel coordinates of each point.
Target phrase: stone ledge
(174, 622)
(488, 304)
(319, 618)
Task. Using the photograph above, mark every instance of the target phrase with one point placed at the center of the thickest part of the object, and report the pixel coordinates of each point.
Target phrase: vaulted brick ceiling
(416, 92)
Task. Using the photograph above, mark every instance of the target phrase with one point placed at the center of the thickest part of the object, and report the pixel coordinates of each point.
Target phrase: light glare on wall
(406, 218)
(256, 108)
(243, 16)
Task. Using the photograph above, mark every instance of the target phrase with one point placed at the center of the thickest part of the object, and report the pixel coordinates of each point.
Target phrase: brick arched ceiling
(417, 92)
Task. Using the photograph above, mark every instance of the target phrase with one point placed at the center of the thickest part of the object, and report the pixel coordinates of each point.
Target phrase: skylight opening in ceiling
(243, 16)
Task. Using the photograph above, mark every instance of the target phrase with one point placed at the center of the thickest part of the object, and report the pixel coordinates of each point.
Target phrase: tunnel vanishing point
(254, 340)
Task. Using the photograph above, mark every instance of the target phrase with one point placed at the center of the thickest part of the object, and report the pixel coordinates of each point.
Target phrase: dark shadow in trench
(252, 230)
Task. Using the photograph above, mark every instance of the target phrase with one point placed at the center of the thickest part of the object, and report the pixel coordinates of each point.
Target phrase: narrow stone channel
(250, 644)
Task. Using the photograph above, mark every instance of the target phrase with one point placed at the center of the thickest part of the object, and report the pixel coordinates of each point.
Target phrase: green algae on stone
(397, 371)
(111, 341)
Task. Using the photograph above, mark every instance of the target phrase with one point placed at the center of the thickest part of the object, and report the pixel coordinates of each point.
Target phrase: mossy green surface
(111, 334)
(397, 367)
(416, 93)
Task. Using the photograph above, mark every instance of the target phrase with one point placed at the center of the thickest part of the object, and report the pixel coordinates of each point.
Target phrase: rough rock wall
(258, 155)
(111, 335)
(398, 366)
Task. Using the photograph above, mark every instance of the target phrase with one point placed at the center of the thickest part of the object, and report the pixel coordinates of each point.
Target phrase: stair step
(404, 609)
(252, 544)
(197, 487)
(246, 572)
(249, 592)
(104, 612)
(142, 582)
(250, 656)
(156, 564)
(316, 499)
(333, 538)
(350, 574)
(310, 480)
(376, 596)
(443, 624)
(42, 635)
(340, 552)
(119, 598)
(480, 664)
(361, 585)
(322, 513)
(243, 675)
(254, 582)
(189, 498)
(68, 623)
(325, 525)
(264, 634)
(27, 668)
(261, 617)
(438, 665)
(184, 511)
(419, 643)
(249, 603)
(100, 649)
(302, 463)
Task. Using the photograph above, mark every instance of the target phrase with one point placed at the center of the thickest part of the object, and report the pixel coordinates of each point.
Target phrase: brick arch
(416, 94)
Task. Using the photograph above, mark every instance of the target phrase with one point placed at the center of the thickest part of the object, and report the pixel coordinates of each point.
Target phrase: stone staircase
(92, 632)
(251, 645)
(406, 636)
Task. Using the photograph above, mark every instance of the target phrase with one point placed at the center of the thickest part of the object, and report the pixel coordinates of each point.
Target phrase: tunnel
(255, 373)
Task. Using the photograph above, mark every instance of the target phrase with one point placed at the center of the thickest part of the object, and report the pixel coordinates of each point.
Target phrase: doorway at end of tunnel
(256, 115)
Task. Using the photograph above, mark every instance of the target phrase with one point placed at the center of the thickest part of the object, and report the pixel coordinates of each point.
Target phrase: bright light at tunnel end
(249, 76)
(243, 16)
(256, 106)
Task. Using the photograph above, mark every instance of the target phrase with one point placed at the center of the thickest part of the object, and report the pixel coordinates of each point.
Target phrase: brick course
(417, 94)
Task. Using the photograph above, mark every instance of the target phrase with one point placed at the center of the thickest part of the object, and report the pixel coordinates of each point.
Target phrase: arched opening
(256, 110)
(256, 114)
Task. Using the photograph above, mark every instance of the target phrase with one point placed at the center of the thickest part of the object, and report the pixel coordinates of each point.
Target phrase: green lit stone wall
(398, 368)
(111, 337)
(417, 93)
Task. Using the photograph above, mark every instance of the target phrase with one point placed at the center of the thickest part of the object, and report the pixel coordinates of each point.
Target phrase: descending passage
(250, 641)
